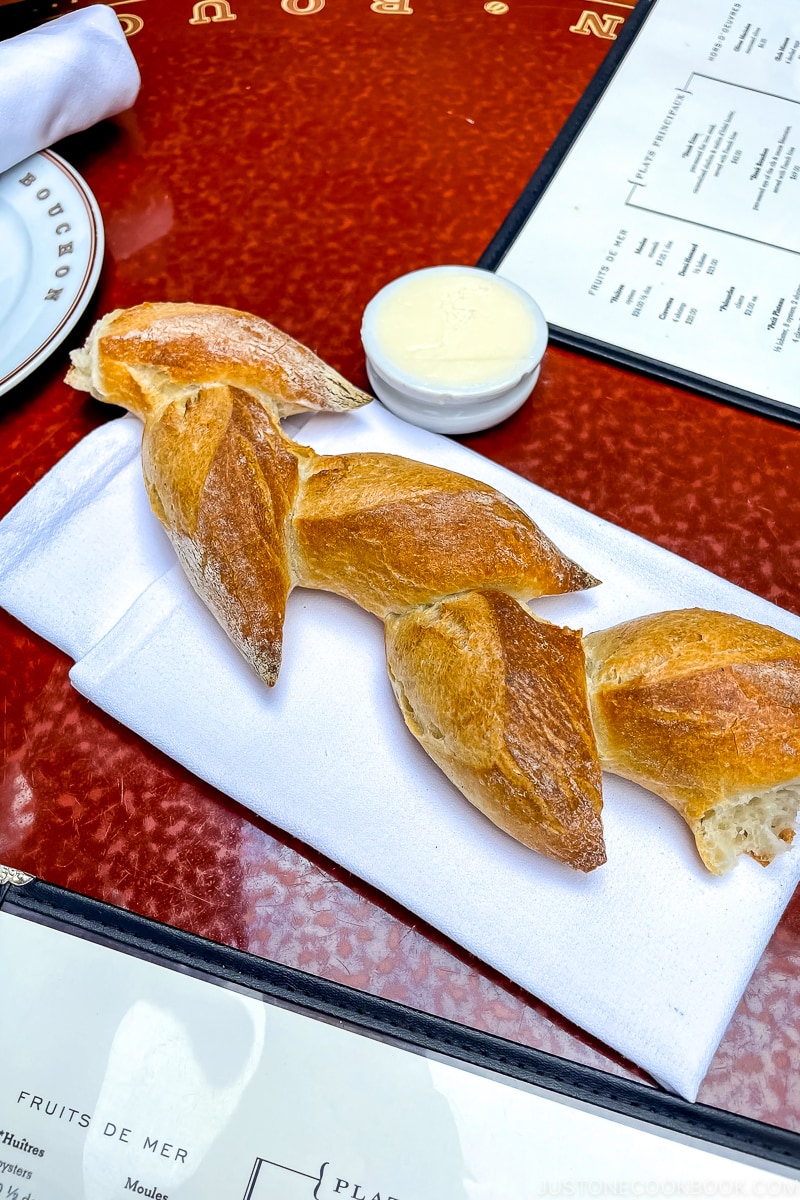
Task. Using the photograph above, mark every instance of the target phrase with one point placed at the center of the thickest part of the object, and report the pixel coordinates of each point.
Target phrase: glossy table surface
(289, 158)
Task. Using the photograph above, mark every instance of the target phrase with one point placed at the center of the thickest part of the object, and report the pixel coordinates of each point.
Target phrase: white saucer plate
(51, 253)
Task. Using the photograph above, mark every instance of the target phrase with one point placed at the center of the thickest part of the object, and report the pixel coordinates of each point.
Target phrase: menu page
(670, 227)
(122, 1078)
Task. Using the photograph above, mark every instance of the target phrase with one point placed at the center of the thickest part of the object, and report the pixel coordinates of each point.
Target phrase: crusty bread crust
(148, 356)
(703, 708)
(498, 700)
(388, 533)
(222, 478)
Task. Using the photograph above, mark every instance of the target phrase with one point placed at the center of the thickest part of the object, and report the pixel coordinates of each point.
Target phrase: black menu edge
(321, 999)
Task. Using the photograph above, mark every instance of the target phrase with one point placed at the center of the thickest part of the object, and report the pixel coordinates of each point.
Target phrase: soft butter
(453, 349)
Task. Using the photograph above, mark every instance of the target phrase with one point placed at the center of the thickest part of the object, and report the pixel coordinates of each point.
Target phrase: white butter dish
(453, 349)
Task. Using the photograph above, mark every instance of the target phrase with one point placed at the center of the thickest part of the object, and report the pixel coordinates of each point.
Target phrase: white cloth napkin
(62, 77)
(649, 953)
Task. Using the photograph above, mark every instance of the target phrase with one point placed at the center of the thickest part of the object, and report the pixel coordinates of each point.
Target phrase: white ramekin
(457, 404)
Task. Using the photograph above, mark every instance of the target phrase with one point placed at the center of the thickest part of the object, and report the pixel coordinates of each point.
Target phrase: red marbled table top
(289, 159)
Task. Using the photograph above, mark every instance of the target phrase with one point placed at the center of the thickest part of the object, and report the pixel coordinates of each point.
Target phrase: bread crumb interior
(761, 825)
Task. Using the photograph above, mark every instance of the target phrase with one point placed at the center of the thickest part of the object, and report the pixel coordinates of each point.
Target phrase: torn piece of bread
(497, 698)
(703, 708)
(146, 357)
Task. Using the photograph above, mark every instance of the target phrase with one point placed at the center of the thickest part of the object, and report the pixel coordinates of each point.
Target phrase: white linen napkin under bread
(62, 77)
(649, 953)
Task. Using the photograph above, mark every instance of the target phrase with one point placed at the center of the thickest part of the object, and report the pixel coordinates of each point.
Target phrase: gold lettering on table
(220, 9)
(302, 8)
(592, 23)
(130, 23)
(392, 6)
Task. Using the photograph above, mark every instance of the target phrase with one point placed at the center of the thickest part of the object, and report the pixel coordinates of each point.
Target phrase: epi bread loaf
(252, 514)
(703, 708)
(498, 700)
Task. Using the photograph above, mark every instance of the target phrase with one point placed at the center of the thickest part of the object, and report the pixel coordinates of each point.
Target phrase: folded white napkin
(649, 953)
(63, 77)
